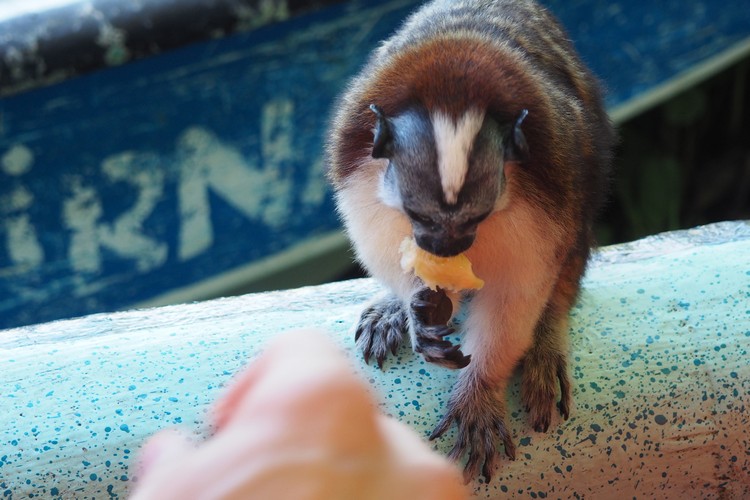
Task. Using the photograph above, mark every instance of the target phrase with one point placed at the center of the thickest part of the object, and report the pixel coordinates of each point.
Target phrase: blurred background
(165, 151)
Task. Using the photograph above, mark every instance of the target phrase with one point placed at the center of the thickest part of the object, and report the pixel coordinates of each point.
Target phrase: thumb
(160, 452)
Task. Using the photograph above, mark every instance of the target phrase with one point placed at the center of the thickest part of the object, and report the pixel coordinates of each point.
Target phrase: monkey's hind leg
(545, 365)
(381, 328)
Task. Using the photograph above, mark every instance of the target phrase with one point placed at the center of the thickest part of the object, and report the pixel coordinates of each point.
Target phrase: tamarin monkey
(475, 129)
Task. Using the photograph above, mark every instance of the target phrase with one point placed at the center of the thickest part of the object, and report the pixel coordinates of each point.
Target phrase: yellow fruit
(448, 273)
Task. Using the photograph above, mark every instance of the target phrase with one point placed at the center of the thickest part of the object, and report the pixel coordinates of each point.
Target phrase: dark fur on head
(443, 227)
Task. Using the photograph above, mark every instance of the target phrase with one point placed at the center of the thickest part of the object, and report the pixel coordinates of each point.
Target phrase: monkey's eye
(474, 221)
(422, 220)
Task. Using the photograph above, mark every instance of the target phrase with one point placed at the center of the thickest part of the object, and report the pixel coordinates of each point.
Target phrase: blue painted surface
(636, 45)
(124, 184)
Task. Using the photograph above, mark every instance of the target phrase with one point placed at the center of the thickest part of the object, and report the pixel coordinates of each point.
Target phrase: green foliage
(686, 109)
(684, 163)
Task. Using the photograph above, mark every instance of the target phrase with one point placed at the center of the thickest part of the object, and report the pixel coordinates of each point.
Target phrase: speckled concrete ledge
(661, 380)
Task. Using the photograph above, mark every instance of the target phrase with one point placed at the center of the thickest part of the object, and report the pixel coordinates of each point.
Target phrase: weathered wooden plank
(183, 173)
(47, 41)
(661, 380)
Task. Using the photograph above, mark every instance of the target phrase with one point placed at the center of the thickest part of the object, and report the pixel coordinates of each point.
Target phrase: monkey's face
(446, 176)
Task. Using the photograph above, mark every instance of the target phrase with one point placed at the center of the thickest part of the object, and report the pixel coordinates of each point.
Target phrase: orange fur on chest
(515, 248)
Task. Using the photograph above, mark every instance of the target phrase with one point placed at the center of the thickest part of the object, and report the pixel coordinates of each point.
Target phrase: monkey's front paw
(431, 307)
(539, 389)
(431, 344)
(431, 311)
(381, 329)
(480, 424)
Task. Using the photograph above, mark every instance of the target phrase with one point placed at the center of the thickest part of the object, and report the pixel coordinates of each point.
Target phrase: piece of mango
(448, 273)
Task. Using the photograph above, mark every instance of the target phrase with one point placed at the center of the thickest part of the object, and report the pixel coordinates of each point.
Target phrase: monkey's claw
(480, 425)
(381, 329)
(541, 376)
(431, 344)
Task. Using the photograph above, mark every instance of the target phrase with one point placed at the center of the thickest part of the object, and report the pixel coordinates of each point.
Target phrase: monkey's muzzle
(445, 243)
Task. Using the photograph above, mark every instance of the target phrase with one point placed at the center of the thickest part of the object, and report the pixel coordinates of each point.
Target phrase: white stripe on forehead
(453, 142)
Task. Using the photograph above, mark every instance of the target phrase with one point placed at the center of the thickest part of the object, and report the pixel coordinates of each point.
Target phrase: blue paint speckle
(607, 397)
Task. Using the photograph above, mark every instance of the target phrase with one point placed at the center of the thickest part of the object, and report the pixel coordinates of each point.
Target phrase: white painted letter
(205, 162)
(22, 243)
(124, 236)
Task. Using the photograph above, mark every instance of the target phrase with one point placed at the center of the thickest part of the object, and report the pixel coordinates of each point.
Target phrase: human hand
(298, 423)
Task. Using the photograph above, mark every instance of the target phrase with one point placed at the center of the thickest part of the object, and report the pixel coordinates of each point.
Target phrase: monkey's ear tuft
(383, 136)
(516, 148)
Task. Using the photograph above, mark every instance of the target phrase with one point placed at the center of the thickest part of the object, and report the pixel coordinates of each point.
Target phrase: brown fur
(501, 57)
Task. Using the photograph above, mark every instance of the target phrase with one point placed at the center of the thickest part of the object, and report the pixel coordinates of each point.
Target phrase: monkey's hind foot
(539, 389)
(431, 311)
(480, 422)
(381, 329)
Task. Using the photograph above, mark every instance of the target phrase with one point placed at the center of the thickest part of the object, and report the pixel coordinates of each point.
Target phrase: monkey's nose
(443, 246)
